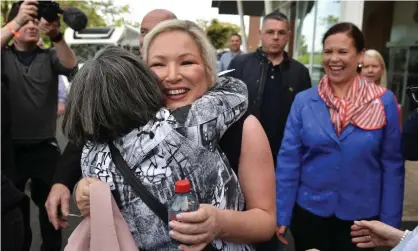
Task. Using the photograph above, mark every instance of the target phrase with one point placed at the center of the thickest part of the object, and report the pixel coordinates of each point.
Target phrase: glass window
(313, 19)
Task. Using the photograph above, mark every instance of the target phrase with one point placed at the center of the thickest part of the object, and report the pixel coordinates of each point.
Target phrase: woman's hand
(196, 229)
(281, 234)
(368, 234)
(82, 195)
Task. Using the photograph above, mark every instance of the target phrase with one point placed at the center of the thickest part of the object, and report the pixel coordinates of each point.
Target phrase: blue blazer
(357, 175)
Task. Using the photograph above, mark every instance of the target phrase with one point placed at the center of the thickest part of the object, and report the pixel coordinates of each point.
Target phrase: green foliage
(329, 21)
(218, 32)
(95, 10)
(304, 58)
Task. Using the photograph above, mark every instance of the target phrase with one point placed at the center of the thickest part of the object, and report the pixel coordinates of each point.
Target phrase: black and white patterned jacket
(178, 144)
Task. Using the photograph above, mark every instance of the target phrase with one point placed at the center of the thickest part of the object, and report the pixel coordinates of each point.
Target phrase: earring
(360, 65)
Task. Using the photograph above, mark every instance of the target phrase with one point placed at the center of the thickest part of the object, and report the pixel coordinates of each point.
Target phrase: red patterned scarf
(361, 106)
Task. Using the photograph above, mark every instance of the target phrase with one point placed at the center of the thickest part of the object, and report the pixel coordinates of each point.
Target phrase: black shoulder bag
(153, 203)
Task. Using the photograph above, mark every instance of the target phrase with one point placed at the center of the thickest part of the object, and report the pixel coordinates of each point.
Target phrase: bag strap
(153, 203)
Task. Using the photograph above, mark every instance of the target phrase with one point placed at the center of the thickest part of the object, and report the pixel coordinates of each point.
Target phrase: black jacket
(252, 69)
(410, 137)
(10, 195)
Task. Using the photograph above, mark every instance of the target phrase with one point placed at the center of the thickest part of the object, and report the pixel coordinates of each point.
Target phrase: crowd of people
(263, 150)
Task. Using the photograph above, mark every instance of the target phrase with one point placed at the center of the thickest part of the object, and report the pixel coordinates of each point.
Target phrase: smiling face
(235, 43)
(372, 69)
(340, 58)
(176, 59)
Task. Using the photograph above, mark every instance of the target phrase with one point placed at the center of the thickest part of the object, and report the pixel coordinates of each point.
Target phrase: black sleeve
(230, 143)
(233, 65)
(306, 80)
(59, 68)
(410, 137)
(68, 170)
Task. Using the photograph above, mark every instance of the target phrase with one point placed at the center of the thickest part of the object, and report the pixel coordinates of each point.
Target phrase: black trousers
(38, 162)
(13, 230)
(323, 233)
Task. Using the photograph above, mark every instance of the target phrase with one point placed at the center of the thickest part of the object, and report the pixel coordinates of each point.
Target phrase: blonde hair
(376, 55)
(207, 51)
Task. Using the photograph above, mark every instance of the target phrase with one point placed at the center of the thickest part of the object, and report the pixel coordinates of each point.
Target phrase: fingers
(186, 228)
(356, 227)
(361, 232)
(63, 224)
(282, 239)
(282, 229)
(362, 239)
(366, 245)
(198, 216)
(189, 239)
(51, 206)
(65, 205)
(193, 247)
(85, 210)
(29, 9)
(83, 195)
(365, 224)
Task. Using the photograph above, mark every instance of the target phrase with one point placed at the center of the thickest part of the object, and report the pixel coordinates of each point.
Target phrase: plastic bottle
(183, 201)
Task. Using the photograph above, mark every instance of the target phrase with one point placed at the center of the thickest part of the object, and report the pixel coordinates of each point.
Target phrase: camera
(50, 11)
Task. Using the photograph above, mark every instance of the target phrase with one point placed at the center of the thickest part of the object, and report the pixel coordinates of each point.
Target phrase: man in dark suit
(272, 77)
(273, 80)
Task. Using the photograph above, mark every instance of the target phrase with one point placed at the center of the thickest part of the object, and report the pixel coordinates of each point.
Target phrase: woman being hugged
(180, 142)
(340, 159)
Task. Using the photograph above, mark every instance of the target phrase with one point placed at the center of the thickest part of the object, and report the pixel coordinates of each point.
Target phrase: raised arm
(218, 109)
(27, 12)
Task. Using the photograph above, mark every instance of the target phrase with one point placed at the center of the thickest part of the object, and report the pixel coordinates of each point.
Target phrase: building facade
(391, 27)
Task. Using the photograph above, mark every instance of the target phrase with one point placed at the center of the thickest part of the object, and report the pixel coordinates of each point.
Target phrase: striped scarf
(361, 106)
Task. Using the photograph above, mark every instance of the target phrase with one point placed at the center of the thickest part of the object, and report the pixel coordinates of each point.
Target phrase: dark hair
(111, 94)
(276, 15)
(236, 34)
(351, 30)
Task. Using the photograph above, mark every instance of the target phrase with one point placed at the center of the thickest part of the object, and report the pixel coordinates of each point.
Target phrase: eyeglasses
(412, 92)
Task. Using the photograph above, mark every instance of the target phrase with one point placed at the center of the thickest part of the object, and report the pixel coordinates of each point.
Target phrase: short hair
(111, 94)
(236, 34)
(376, 55)
(276, 15)
(351, 30)
(206, 48)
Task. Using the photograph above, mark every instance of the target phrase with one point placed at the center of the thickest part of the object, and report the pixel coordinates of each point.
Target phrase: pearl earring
(360, 65)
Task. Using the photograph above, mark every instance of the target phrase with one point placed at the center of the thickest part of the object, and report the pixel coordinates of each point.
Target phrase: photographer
(33, 80)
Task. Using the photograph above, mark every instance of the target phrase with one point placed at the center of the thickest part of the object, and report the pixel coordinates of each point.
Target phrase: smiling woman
(180, 142)
(343, 129)
(189, 70)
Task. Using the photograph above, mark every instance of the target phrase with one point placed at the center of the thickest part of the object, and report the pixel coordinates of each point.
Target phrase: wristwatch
(57, 38)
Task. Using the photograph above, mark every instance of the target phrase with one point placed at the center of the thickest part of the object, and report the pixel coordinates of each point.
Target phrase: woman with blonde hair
(237, 206)
(374, 68)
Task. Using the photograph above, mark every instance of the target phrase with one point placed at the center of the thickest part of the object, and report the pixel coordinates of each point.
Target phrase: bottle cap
(182, 186)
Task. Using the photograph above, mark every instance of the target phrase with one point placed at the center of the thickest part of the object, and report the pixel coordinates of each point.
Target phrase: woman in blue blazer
(340, 159)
